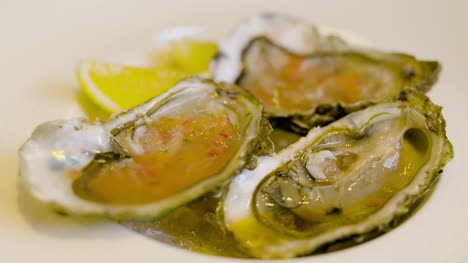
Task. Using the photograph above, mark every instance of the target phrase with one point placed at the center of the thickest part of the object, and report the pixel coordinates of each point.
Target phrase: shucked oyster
(149, 159)
(288, 32)
(356, 176)
(310, 78)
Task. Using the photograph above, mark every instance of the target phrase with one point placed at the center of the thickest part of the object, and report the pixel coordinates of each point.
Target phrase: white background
(41, 42)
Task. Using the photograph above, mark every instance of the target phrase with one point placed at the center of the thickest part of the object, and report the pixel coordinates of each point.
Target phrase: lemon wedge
(192, 56)
(116, 87)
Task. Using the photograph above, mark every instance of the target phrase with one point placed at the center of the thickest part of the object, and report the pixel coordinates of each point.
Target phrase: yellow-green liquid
(192, 227)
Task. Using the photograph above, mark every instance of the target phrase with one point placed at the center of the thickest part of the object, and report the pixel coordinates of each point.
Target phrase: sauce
(175, 154)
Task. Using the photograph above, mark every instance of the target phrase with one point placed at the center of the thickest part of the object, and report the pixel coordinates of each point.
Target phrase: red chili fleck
(213, 153)
(186, 122)
(148, 172)
(224, 135)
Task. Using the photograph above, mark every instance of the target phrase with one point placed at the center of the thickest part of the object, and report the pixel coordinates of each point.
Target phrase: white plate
(42, 40)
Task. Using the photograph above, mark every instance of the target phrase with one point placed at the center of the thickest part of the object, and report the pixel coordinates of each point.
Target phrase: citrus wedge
(193, 56)
(116, 87)
(190, 56)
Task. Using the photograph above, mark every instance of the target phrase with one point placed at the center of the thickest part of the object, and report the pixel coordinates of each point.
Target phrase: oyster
(356, 177)
(288, 32)
(149, 159)
(309, 79)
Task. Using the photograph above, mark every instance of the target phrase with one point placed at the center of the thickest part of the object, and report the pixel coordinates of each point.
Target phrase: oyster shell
(309, 78)
(288, 32)
(355, 177)
(149, 159)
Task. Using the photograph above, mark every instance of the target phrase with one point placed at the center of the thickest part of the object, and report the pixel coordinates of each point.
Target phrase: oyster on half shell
(309, 78)
(355, 177)
(149, 159)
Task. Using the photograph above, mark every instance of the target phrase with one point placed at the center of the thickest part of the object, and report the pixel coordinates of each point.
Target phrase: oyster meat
(309, 78)
(149, 159)
(356, 177)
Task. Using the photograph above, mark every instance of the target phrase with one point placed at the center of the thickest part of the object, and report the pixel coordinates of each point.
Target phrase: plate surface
(43, 40)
